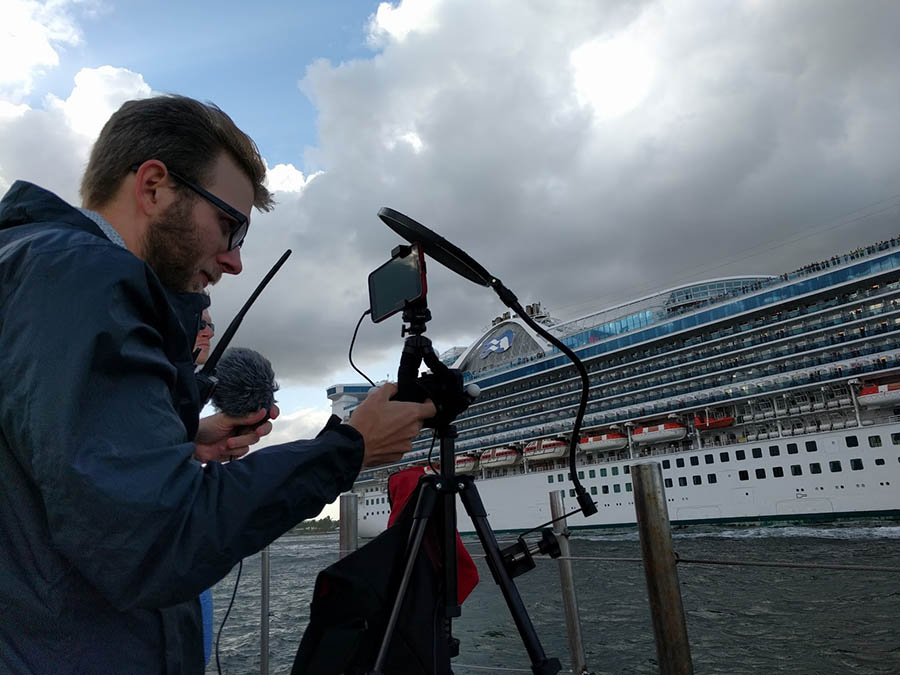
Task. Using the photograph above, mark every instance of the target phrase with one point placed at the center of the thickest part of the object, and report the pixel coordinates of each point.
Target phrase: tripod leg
(424, 510)
(540, 664)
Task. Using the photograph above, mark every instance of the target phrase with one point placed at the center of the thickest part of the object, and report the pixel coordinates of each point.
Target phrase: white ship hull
(521, 501)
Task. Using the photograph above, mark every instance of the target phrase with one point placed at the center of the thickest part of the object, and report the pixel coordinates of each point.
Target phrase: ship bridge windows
(756, 452)
(695, 461)
(811, 446)
(851, 441)
(895, 439)
(740, 454)
(679, 462)
(874, 441)
(723, 457)
(774, 451)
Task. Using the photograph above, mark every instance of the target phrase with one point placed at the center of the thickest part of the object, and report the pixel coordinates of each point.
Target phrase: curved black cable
(588, 507)
(227, 612)
(431, 450)
(352, 341)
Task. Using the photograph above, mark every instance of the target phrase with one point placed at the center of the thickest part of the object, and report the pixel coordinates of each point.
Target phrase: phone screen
(399, 281)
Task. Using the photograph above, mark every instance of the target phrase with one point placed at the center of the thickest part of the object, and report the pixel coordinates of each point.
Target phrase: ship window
(550, 478)
(757, 453)
(679, 462)
(605, 489)
(879, 461)
(695, 461)
(856, 464)
(603, 473)
(682, 481)
(668, 482)
(617, 488)
(743, 475)
(709, 459)
(593, 489)
(723, 457)
(792, 448)
(696, 480)
(740, 454)
(668, 465)
(559, 477)
(627, 487)
(710, 478)
(852, 441)
(592, 474)
(615, 471)
(777, 472)
(835, 466)
(760, 473)
(811, 446)
(562, 493)
(895, 439)
(572, 492)
(874, 441)
(815, 467)
(580, 475)
(626, 469)
(774, 451)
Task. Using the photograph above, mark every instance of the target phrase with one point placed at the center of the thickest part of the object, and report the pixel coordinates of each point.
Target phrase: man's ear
(150, 199)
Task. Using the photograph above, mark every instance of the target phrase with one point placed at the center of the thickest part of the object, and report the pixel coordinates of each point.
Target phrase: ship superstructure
(763, 398)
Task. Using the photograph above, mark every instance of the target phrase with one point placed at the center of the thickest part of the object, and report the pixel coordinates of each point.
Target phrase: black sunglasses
(241, 222)
(204, 323)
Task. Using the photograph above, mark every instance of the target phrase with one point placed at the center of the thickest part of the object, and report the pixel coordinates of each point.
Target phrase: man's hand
(216, 440)
(388, 427)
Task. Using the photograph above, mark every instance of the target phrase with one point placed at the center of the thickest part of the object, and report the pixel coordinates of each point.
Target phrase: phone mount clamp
(437, 499)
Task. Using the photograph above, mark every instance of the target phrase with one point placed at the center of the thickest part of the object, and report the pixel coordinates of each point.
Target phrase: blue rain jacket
(109, 529)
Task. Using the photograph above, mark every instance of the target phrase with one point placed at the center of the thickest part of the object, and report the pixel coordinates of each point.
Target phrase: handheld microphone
(246, 383)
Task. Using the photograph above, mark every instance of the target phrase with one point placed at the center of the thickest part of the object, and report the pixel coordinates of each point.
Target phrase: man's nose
(231, 261)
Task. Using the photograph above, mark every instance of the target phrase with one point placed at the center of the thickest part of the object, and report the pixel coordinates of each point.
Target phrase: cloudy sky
(584, 152)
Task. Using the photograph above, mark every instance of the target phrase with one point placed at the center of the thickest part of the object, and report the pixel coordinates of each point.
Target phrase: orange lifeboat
(546, 448)
(466, 463)
(497, 457)
(659, 433)
(880, 395)
(712, 422)
(603, 442)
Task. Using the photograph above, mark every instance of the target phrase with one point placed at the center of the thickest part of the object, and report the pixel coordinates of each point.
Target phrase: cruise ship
(763, 398)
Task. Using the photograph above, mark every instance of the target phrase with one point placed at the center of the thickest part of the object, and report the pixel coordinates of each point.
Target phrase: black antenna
(210, 366)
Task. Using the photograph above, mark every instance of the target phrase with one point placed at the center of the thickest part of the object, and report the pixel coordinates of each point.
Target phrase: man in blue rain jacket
(109, 528)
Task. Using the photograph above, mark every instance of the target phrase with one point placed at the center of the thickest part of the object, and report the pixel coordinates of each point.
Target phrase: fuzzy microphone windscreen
(246, 382)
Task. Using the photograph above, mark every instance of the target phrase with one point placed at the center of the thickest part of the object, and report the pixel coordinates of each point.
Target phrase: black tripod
(437, 502)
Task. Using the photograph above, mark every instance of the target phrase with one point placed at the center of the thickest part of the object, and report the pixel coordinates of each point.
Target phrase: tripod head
(443, 385)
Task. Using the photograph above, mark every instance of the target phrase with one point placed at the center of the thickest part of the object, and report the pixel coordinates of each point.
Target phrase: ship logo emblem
(497, 345)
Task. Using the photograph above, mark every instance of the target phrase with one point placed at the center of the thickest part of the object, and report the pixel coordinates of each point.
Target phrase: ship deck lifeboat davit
(497, 457)
(659, 433)
(880, 395)
(603, 442)
(546, 448)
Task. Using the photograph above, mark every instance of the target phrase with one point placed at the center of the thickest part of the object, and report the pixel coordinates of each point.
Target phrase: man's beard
(172, 246)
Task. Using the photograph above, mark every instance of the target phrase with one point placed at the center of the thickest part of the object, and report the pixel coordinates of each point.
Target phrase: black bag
(352, 604)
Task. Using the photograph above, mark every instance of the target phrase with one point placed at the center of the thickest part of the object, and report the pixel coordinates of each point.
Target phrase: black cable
(227, 612)
(353, 340)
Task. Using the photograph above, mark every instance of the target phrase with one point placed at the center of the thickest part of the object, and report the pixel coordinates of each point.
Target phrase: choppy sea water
(739, 619)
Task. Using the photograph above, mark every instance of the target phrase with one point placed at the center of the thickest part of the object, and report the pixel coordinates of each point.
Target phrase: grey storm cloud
(763, 131)
(767, 126)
